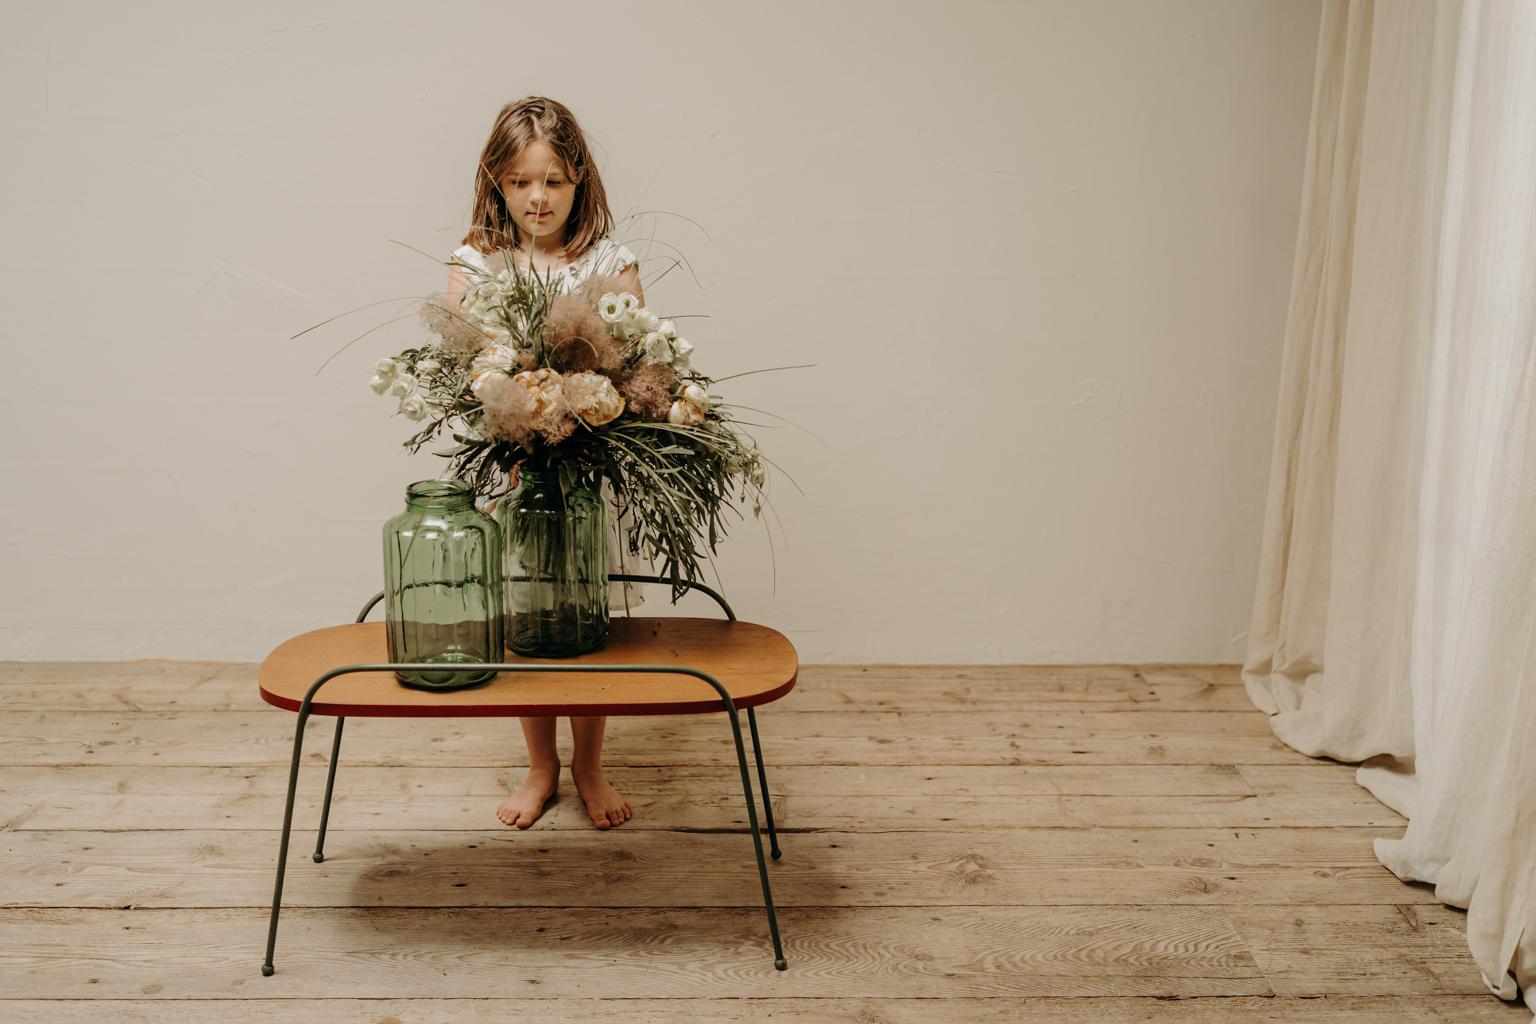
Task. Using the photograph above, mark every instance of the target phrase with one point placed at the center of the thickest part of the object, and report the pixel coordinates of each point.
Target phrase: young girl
(538, 193)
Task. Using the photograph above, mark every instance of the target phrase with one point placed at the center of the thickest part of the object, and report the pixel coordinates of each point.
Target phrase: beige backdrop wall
(1038, 252)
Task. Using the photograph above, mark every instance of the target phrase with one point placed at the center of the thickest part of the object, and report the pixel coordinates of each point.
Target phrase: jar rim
(438, 490)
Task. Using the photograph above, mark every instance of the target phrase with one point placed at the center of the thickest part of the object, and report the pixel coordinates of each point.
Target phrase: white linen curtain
(1396, 608)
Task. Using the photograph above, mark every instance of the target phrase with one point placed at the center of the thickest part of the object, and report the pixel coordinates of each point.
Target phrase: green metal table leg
(762, 780)
(757, 838)
(282, 849)
(330, 784)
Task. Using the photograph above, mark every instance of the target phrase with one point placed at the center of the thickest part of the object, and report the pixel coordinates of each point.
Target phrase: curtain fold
(1395, 611)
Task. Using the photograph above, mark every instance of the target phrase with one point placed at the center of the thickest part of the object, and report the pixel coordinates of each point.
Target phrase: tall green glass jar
(556, 565)
(442, 586)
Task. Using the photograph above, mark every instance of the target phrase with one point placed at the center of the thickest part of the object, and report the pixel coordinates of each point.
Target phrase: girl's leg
(523, 807)
(604, 804)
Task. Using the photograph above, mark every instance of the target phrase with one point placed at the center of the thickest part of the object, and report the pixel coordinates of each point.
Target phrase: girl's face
(539, 193)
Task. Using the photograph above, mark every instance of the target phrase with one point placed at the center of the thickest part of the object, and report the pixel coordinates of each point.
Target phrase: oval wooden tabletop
(754, 663)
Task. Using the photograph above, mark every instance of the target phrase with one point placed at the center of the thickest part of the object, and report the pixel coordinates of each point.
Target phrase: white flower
(657, 349)
(685, 414)
(631, 325)
(681, 350)
(667, 328)
(629, 301)
(499, 357)
(479, 379)
(386, 368)
(414, 408)
(403, 386)
(689, 409)
(428, 365)
(647, 320)
(593, 396)
(611, 307)
(380, 384)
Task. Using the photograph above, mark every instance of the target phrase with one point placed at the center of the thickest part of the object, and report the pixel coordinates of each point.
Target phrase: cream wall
(1038, 252)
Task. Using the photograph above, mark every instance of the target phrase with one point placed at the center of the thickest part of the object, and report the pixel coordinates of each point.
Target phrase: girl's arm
(456, 282)
(630, 278)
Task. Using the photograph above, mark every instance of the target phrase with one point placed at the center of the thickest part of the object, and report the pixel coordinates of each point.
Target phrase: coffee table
(647, 666)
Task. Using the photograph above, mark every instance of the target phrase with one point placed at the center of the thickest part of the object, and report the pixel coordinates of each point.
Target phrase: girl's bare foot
(606, 807)
(523, 807)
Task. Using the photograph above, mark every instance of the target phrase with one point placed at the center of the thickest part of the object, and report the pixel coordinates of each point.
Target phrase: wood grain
(673, 953)
(961, 843)
(265, 738)
(1418, 1009)
(509, 867)
(837, 797)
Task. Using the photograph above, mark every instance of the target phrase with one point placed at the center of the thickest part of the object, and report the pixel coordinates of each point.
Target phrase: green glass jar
(556, 565)
(442, 586)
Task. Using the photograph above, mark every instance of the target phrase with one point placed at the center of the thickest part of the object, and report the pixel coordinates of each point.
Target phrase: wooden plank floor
(1052, 844)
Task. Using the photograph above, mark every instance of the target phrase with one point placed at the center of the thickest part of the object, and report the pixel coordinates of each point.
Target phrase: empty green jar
(442, 586)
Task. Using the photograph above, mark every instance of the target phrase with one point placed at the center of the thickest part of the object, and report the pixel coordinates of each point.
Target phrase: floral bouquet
(585, 383)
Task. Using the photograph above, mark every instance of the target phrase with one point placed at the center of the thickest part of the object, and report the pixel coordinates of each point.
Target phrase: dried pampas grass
(444, 316)
(578, 338)
(529, 403)
(649, 391)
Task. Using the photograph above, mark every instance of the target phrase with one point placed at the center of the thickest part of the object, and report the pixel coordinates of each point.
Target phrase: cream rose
(593, 397)
(685, 414)
(543, 385)
(689, 409)
(414, 408)
(494, 357)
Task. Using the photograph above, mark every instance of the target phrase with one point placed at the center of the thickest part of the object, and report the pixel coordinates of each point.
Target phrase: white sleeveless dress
(604, 257)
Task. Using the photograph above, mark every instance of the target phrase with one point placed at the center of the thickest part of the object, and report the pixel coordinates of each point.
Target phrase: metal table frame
(727, 705)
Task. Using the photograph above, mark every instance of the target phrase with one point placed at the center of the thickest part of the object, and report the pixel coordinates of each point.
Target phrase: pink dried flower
(445, 316)
(649, 391)
(508, 408)
(578, 338)
(556, 424)
(525, 404)
(598, 285)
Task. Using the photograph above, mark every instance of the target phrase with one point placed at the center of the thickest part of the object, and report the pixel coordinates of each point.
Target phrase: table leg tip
(780, 965)
(319, 858)
(777, 854)
(267, 970)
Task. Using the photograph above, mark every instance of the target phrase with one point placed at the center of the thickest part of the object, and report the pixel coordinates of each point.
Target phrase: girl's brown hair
(520, 123)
